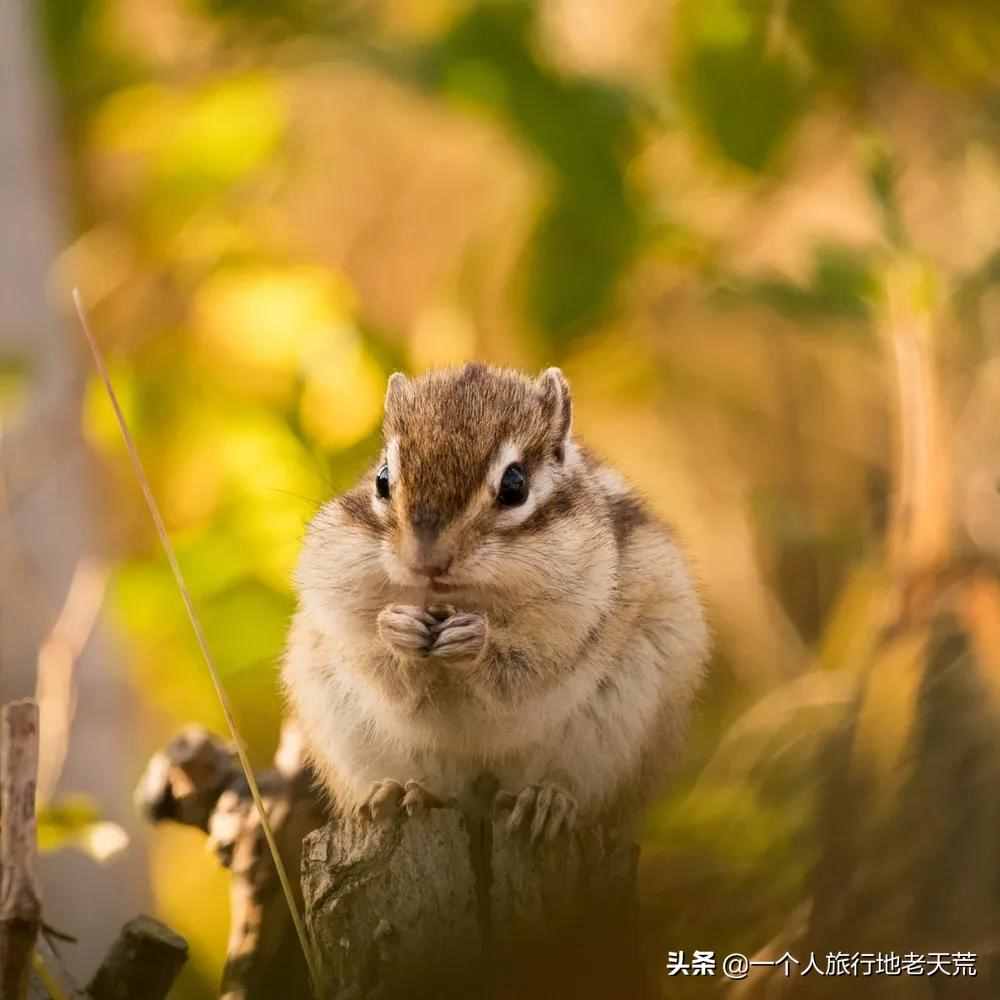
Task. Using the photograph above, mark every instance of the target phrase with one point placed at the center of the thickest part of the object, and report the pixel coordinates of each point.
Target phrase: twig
(20, 911)
(220, 691)
(57, 657)
(196, 780)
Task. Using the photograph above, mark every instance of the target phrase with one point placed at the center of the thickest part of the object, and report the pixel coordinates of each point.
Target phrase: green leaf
(222, 133)
(743, 94)
(583, 132)
(842, 286)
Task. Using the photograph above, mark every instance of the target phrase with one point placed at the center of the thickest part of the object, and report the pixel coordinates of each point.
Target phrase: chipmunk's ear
(558, 402)
(396, 395)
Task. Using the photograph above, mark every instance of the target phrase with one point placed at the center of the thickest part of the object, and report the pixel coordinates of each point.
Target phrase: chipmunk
(491, 598)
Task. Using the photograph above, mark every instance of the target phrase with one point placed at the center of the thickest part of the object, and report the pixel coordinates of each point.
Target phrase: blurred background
(762, 237)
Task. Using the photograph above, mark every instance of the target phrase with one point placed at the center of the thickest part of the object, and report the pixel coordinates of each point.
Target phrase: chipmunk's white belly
(563, 736)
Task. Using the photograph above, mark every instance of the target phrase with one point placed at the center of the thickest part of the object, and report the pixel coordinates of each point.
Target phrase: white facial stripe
(392, 459)
(572, 457)
(613, 482)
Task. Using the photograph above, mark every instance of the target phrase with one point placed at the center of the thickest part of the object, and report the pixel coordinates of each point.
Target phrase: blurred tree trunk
(45, 521)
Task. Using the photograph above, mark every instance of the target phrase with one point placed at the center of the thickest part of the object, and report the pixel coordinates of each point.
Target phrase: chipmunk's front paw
(542, 810)
(388, 798)
(405, 629)
(461, 636)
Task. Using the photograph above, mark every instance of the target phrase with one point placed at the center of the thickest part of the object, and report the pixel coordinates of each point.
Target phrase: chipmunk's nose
(431, 565)
(428, 556)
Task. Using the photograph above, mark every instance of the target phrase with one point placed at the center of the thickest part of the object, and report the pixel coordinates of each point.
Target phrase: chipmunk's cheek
(394, 567)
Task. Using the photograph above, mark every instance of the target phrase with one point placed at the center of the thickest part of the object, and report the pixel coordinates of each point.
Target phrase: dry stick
(220, 691)
(55, 688)
(20, 910)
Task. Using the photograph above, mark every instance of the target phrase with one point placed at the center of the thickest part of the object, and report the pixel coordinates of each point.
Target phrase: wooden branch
(20, 910)
(145, 960)
(196, 780)
(183, 782)
(142, 964)
(448, 904)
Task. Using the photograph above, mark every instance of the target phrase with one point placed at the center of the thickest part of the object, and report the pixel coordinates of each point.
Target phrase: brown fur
(586, 639)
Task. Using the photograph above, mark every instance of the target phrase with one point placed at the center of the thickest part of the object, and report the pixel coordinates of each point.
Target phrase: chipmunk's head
(473, 462)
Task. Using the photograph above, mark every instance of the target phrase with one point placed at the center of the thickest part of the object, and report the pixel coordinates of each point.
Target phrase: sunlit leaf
(343, 395)
(246, 625)
(222, 132)
(219, 458)
(262, 325)
(75, 822)
(132, 120)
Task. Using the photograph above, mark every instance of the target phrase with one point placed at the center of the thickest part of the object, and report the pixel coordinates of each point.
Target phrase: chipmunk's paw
(388, 798)
(544, 811)
(461, 636)
(405, 629)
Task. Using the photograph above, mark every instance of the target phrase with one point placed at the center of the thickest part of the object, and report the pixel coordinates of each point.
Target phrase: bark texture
(20, 909)
(448, 904)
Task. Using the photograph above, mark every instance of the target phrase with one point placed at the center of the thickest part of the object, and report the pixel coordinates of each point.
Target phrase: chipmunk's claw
(460, 636)
(544, 811)
(417, 799)
(406, 629)
(388, 798)
(383, 801)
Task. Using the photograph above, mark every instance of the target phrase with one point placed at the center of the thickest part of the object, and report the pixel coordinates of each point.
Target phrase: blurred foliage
(697, 208)
(742, 88)
(841, 285)
(583, 130)
(14, 380)
(75, 821)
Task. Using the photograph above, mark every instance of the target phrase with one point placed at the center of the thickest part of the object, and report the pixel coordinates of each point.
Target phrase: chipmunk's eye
(513, 486)
(382, 482)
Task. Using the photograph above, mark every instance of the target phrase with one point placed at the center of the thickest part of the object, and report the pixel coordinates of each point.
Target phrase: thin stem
(220, 691)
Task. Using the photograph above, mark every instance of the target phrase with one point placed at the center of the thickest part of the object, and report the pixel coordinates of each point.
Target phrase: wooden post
(20, 910)
(448, 904)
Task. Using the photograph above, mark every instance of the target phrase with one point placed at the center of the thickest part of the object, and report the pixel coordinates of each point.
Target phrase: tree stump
(448, 904)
